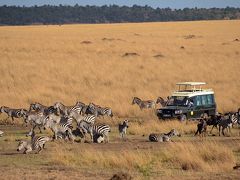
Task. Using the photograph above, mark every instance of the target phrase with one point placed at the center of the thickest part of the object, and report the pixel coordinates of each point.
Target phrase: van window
(197, 101)
(204, 100)
(210, 99)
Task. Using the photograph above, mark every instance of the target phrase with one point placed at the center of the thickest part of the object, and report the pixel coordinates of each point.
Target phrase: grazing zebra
(36, 143)
(143, 104)
(163, 137)
(65, 110)
(59, 130)
(94, 130)
(162, 101)
(226, 122)
(13, 113)
(1, 133)
(201, 128)
(122, 128)
(102, 130)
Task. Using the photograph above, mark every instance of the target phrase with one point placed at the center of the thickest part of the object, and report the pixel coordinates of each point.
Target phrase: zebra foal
(122, 128)
(36, 143)
(153, 137)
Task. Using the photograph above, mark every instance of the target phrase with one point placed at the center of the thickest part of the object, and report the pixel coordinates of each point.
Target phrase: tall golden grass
(50, 63)
(205, 156)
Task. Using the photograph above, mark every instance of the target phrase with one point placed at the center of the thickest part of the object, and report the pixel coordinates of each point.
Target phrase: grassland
(110, 64)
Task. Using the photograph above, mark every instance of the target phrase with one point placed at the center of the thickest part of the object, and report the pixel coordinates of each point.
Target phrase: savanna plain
(109, 64)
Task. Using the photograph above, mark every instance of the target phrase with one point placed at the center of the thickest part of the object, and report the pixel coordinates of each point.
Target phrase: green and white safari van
(190, 101)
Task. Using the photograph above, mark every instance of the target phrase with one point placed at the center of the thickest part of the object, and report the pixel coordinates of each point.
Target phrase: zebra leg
(12, 118)
(223, 131)
(40, 131)
(39, 150)
(219, 131)
(212, 129)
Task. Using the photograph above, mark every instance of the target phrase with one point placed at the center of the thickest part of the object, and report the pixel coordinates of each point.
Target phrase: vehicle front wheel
(183, 117)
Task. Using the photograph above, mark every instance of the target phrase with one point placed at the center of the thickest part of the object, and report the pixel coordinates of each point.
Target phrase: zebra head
(22, 145)
(174, 132)
(3, 109)
(58, 106)
(33, 107)
(136, 100)
(125, 123)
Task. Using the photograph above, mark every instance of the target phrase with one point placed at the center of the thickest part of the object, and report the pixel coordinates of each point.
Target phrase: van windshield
(178, 101)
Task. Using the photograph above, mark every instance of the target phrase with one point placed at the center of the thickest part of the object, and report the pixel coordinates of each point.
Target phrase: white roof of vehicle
(191, 83)
(193, 93)
(189, 89)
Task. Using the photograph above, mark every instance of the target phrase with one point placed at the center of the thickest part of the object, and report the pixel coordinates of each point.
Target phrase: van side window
(210, 99)
(197, 101)
(204, 100)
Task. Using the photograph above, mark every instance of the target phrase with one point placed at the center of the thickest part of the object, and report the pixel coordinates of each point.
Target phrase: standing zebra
(214, 121)
(122, 128)
(162, 101)
(88, 118)
(13, 113)
(59, 130)
(153, 137)
(65, 110)
(143, 104)
(36, 143)
(225, 123)
(36, 119)
(44, 109)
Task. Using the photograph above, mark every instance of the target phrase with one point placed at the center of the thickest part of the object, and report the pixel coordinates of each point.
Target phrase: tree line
(48, 14)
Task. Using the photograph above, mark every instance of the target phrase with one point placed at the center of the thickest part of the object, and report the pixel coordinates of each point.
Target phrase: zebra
(95, 131)
(225, 123)
(59, 130)
(36, 119)
(39, 107)
(65, 110)
(122, 128)
(143, 104)
(214, 121)
(153, 137)
(13, 113)
(235, 118)
(82, 105)
(1, 133)
(102, 130)
(201, 127)
(36, 143)
(162, 101)
(88, 118)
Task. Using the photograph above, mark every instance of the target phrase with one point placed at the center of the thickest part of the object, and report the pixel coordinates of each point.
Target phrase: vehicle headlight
(178, 111)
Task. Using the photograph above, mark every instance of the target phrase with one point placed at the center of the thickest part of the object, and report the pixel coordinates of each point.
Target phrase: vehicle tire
(183, 117)
(204, 116)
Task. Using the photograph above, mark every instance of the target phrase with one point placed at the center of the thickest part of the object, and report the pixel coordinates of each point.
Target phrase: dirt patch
(86, 42)
(191, 36)
(159, 56)
(236, 40)
(128, 54)
(182, 47)
(121, 176)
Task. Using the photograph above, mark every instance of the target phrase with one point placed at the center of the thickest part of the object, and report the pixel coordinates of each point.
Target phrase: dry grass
(206, 156)
(50, 63)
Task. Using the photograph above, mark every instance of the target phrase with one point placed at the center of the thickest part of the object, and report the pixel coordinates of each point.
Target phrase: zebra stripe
(103, 130)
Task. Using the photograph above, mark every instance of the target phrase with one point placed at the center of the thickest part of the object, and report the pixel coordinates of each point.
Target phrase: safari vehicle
(190, 101)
